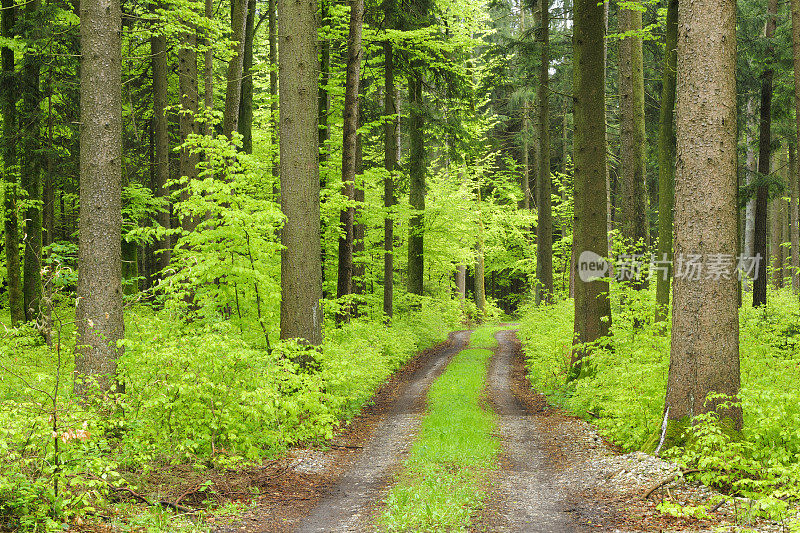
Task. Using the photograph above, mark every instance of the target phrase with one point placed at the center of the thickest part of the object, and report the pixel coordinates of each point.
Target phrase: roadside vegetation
(623, 393)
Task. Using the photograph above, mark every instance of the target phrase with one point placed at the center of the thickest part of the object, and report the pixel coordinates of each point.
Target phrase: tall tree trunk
(416, 164)
(349, 149)
(233, 93)
(526, 168)
(391, 131)
(705, 320)
(158, 51)
(544, 226)
(273, 93)
(245, 121)
(666, 162)
(301, 269)
(794, 214)
(359, 227)
(187, 125)
(11, 222)
(99, 323)
(764, 143)
(592, 305)
(751, 127)
(324, 110)
(632, 138)
(795, 6)
(31, 170)
(48, 185)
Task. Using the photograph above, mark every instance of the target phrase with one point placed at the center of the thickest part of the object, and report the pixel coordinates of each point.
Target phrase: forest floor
(556, 472)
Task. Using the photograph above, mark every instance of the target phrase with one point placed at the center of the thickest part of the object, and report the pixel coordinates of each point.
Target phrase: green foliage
(445, 476)
(625, 392)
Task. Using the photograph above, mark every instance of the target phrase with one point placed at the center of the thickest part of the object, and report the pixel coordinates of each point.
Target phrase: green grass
(445, 476)
(483, 337)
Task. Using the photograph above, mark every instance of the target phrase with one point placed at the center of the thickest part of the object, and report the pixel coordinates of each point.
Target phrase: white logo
(592, 267)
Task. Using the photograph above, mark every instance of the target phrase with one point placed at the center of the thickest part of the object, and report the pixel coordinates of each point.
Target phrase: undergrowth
(624, 395)
(445, 476)
(196, 393)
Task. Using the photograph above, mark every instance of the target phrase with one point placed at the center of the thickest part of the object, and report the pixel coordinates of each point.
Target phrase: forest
(232, 229)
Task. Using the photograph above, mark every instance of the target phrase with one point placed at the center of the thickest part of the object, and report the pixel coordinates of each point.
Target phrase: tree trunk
(750, 173)
(48, 185)
(391, 130)
(544, 226)
(11, 222)
(188, 86)
(705, 318)
(273, 94)
(666, 162)
(795, 6)
(158, 50)
(233, 93)
(794, 230)
(416, 224)
(99, 323)
(31, 170)
(764, 143)
(245, 121)
(301, 269)
(592, 305)
(633, 208)
(349, 148)
(359, 228)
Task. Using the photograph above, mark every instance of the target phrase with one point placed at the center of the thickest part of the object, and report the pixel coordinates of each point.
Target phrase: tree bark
(245, 120)
(349, 148)
(795, 6)
(391, 131)
(632, 138)
(233, 93)
(416, 224)
(301, 269)
(544, 226)
(31, 169)
(666, 162)
(764, 149)
(158, 50)
(592, 305)
(705, 320)
(751, 122)
(794, 230)
(11, 222)
(187, 125)
(99, 323)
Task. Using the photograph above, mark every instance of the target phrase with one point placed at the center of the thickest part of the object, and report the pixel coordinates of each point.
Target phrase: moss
(677, 434)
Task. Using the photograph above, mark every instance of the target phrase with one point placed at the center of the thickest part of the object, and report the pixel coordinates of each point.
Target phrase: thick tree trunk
(705, 320)
(592, 305)
(187, 125)
(391, 130)
(544, 226)
(633, 205)
(31, 170)
(349, 148)
(666, 162)
(158, 50)
(301, 271)
(245, 121)
(416, 164)
(233, 93)
(11, 222)
(764, 149)
(99, 323)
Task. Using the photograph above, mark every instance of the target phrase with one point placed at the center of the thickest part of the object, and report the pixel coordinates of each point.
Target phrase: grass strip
(444, 480)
